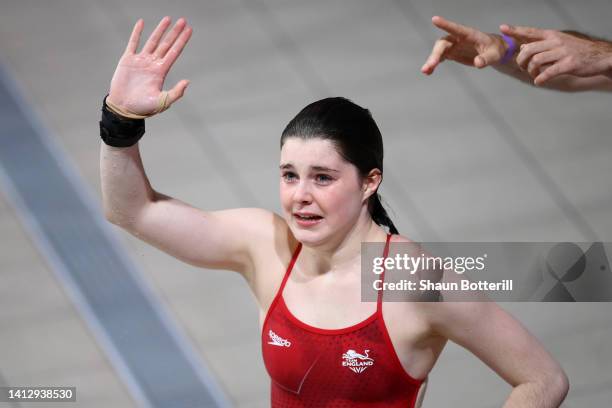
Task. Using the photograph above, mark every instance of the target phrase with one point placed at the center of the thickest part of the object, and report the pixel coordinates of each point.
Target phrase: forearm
(563, 83)
(545, 394)
(602, 52)
(125, 187)
(607, 61)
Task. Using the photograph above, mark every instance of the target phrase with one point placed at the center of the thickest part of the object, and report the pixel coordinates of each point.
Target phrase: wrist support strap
(119, 131)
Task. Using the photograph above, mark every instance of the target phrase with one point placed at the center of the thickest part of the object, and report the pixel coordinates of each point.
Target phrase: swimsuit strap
(290, 267)
(382, 276)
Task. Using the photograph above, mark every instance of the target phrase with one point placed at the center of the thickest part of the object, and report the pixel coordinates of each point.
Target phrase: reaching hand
(550, 53)
(465, 45)
(137, 84)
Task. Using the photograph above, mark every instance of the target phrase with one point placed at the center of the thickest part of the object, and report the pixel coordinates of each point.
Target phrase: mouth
(307, 219)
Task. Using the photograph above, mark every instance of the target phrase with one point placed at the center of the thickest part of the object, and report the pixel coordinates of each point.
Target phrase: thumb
(487, 57)
(177, 91)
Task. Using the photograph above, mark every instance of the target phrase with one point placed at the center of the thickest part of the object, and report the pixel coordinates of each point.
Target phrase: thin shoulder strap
(290, 267)
(382, 276)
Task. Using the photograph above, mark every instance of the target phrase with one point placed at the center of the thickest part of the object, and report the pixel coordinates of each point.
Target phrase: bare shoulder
(271, 254)
(401, 238)
(407, 302)
(415, 303)
(269, 238)
(409, 321)
(430, 306)
(269, 231)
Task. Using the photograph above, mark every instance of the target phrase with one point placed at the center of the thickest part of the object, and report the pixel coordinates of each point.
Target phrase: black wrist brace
(119, 131)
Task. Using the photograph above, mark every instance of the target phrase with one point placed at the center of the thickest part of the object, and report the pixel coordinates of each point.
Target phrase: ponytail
(379, 214)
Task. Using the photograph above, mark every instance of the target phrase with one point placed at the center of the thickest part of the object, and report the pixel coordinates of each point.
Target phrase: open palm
(138, 81)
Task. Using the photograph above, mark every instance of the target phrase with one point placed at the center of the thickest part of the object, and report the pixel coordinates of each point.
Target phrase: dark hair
(354, 133)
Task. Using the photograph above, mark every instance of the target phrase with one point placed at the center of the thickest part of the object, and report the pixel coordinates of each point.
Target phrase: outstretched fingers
(456, 29)
(156, 35)
(132, 44)
(436, 56)
(177, 47)
(170, 38)
(525, 34)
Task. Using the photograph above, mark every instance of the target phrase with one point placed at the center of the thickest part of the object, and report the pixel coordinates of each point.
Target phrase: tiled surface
(43, 340)
(470, 156)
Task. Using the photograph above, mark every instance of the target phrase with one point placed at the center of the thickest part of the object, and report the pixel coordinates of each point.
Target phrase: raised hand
(547, 54)
(136, 87)
(465, 45)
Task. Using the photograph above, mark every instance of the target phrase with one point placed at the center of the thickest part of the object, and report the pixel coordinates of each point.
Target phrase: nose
(302, 193)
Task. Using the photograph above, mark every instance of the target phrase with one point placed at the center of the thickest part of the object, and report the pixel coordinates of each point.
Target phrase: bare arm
(505, 345)
(217, 239)
(471, 47)
(563, 83)
(220, 239)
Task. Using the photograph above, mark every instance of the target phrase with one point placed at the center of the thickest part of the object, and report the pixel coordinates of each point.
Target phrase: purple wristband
(511, 48)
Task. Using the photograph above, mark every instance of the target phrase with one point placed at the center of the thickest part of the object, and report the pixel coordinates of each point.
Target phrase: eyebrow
(285, 166)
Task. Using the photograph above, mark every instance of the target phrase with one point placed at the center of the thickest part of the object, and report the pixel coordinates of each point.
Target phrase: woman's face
(321, 193)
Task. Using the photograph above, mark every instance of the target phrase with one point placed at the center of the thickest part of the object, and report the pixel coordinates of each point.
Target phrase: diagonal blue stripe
(140, 339)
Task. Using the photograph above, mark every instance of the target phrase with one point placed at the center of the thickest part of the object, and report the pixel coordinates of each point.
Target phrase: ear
(370, 183)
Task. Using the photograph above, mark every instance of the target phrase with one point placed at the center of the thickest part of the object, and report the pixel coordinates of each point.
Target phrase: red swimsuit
(351, 367)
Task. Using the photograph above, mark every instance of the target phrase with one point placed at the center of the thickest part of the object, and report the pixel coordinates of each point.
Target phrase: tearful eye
(289, 177)
(323, 179)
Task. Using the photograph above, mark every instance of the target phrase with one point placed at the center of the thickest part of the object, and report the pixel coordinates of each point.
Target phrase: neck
(343, 255)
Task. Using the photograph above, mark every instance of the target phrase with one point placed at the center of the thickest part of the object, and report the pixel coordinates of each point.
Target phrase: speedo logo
(277, 340)
(357, 362)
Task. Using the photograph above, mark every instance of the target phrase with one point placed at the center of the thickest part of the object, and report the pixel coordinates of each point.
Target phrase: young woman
(322, 345)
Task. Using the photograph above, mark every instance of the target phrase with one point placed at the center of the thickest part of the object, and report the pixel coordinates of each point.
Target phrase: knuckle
(531, 70)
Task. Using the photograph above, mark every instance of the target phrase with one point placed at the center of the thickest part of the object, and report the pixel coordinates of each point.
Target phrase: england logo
(357, 362)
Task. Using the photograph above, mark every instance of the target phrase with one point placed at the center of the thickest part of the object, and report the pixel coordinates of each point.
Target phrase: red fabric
(351, 367)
